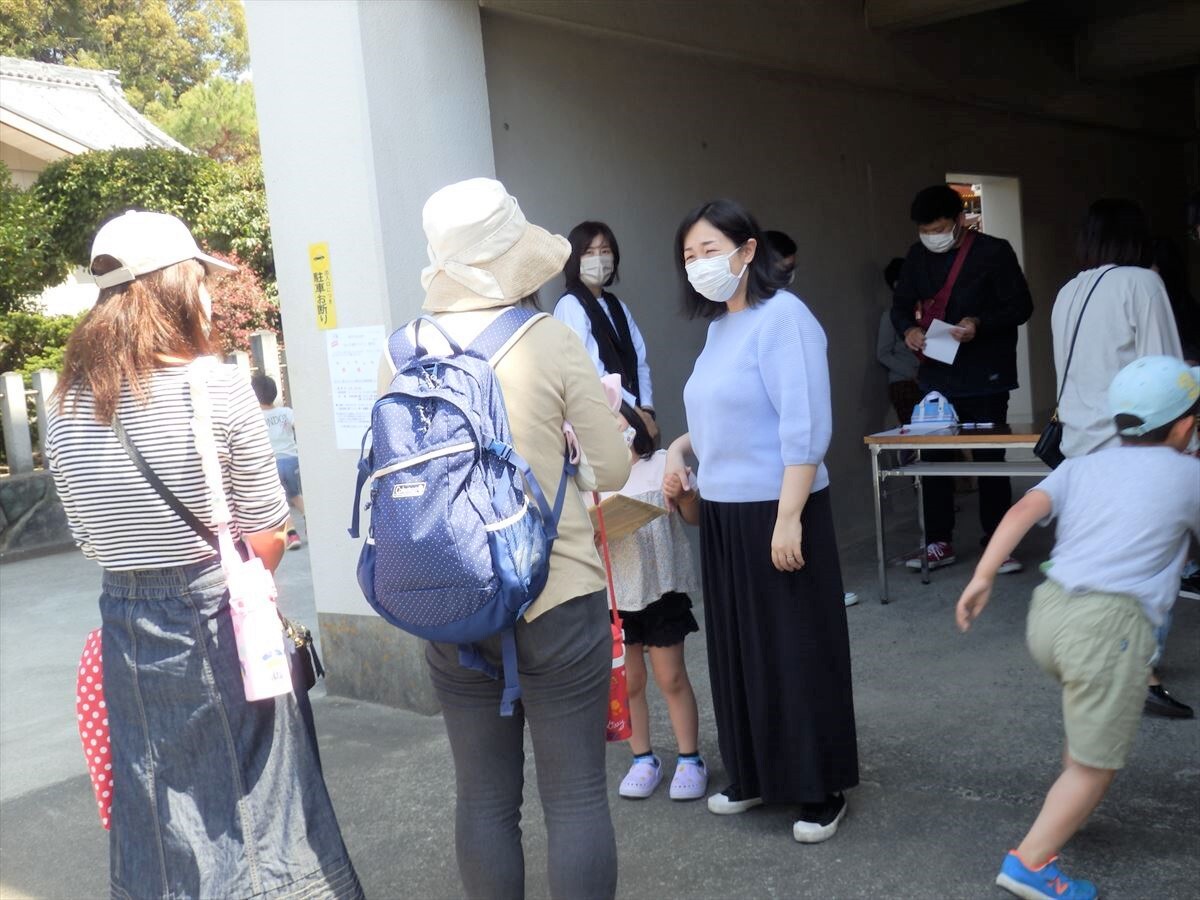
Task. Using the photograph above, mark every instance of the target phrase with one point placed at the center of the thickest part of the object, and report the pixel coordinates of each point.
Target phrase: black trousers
(995, 494)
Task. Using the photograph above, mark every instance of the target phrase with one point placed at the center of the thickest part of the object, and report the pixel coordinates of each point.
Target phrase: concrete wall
(593, 125)
(25, 167)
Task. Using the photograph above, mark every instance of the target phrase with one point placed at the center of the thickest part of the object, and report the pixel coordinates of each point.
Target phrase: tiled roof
(85, 105)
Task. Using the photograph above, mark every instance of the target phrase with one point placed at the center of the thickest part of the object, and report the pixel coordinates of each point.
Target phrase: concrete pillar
(44, 383)
(396, 108)
(16, 423)
(239, 358)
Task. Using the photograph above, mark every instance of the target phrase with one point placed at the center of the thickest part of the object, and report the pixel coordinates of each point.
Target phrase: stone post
(44, 382)
(16, 423)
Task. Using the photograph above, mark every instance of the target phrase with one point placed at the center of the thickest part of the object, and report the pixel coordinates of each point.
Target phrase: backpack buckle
(501, 449)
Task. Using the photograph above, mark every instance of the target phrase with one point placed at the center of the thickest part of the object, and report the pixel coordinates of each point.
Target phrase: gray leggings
(564, 659)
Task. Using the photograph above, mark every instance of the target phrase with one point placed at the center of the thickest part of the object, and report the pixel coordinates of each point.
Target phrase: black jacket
(990, 288)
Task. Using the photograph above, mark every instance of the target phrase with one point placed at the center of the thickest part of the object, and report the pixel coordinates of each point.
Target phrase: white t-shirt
(281, 426)
(1128, 317)
(1124, 514)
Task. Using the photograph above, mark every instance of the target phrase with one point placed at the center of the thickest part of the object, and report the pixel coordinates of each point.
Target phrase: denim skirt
(213, 795)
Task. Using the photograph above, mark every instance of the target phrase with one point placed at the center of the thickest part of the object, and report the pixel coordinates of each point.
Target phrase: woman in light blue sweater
(778, 647)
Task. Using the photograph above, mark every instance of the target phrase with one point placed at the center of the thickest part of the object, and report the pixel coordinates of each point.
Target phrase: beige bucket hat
(483, 253)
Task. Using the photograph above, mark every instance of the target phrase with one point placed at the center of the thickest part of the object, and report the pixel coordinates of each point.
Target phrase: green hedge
(82, 192)
(31, 260)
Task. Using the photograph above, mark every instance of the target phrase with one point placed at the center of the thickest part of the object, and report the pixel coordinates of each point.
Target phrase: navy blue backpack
(460, 534)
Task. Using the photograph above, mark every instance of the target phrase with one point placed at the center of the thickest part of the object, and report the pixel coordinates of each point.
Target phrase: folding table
(956, 437)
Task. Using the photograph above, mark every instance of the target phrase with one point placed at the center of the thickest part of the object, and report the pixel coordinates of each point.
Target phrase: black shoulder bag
(1049, 446)
(299, 635)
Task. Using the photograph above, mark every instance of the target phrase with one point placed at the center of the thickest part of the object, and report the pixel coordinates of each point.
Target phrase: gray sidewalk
(958, 741)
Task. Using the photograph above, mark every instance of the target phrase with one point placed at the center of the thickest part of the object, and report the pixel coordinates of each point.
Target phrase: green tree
(32, 261)
(81, 192)
(215, 118)
(160, 47)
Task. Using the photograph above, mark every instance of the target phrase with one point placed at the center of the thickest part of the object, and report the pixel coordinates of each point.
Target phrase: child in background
(281, 426)
(652, 572)
(1091, 624)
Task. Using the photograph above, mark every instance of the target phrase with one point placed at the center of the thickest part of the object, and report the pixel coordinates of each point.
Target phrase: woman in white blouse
(602, 321)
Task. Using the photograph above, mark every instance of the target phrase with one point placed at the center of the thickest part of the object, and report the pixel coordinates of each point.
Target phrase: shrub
(236, 220)
(30, 341)
(241, 305)
(32, 262)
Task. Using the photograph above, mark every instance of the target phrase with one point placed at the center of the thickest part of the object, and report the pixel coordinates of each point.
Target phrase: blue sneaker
(1038, 884)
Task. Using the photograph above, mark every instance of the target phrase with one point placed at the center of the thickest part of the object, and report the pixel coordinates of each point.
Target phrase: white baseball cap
(1156, 389)
(144, 242)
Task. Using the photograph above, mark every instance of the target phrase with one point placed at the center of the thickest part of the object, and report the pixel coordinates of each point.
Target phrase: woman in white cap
(212, 795)
(485, 257)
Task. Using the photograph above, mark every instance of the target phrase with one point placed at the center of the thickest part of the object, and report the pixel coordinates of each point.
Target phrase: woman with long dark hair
(212, 795)
(1114, 311)
(602, 321)
(759, 424)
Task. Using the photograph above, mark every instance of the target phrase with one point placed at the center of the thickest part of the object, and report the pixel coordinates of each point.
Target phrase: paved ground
(959, 737)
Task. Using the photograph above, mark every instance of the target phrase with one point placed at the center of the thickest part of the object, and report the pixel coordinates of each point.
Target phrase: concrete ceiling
(1112, 39)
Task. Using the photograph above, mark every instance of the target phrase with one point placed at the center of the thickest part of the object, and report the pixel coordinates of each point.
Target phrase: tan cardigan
(547, 378)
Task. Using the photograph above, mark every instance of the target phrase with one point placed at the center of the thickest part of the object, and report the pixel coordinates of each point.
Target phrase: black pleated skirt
(778, 654)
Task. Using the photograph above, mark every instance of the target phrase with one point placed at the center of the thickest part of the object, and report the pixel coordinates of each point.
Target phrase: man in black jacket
(989, 300)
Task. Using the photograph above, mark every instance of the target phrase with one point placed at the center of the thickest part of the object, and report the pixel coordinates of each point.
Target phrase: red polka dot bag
(91, 712)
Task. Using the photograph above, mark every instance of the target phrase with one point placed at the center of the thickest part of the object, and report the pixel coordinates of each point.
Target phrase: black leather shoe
(1160, 703)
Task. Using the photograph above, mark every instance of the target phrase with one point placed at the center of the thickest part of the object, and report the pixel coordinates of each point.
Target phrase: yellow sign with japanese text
(322, 280)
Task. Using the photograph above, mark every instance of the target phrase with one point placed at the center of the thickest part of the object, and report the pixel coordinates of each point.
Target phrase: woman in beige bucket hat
(485, 257)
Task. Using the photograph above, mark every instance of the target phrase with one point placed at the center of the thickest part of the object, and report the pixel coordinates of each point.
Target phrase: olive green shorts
(1099, 647)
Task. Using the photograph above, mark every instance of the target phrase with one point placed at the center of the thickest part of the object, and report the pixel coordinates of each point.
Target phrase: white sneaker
(723, 806)
(850, 598)
(690, 781)
(641, 779)
(821, 827)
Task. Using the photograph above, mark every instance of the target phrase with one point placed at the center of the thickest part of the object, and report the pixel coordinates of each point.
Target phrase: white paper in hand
(940, 343)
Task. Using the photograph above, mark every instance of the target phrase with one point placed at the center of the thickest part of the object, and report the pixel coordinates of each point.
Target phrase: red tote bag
(620, 726)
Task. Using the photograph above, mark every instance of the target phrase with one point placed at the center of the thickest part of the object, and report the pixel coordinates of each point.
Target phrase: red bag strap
(612, 594)
(935, 306)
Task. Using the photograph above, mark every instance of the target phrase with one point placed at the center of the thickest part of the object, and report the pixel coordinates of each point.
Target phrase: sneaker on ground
(1010, 565)
(850, 598)
(642, 778)
(1189, 587)
(293, 541)
(819, 821)
(691, 779)
(1036, 884)
(939, 553)
(730, 802)
(1160, 703)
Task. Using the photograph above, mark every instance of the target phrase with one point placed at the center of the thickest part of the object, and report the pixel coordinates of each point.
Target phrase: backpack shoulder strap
(504, 331)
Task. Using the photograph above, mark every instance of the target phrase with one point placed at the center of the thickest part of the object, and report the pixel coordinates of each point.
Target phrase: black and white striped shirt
(116, 517)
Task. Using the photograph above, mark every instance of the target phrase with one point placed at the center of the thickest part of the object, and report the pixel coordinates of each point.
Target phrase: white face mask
(712, 279)
(594, 271)
(629, 434)
(939, 243)
(206, 301)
